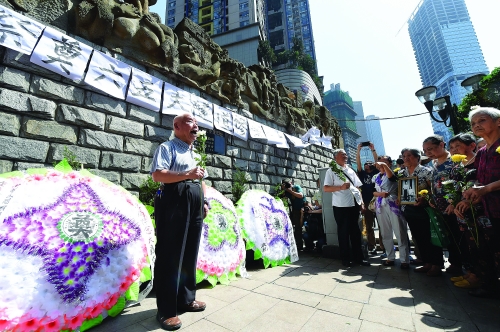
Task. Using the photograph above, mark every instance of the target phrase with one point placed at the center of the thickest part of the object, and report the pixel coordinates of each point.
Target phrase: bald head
(185, 127)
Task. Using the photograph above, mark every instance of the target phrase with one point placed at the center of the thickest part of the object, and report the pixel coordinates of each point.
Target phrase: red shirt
(487, 164)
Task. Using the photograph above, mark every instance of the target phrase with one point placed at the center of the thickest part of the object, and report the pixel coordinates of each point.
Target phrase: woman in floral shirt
(442, 166)
(416, 216)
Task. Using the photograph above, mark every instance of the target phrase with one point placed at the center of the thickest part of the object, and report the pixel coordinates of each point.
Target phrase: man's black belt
(183, 181)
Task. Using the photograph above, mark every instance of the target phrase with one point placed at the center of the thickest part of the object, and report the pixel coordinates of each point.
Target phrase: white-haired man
(346, 200)
(179, 220)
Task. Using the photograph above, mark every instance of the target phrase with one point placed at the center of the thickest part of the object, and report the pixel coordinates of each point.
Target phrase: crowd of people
(457, 206)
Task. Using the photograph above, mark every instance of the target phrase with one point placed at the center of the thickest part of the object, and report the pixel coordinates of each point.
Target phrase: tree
(265, 52)
(487, 96)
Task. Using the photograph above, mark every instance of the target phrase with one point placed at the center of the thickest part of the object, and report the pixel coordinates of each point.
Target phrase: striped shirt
(175, 155)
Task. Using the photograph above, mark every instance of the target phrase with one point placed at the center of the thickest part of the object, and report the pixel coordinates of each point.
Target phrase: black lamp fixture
(442, 106)
(471, 84)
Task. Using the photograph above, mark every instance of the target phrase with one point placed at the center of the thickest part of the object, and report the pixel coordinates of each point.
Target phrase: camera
(287, 185)
(400, 161)
(365, 143)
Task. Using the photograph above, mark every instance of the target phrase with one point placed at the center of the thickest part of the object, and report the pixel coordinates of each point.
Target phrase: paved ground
(318, 294)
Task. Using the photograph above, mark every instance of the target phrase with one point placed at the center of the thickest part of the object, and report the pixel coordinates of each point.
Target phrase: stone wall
(41, 113)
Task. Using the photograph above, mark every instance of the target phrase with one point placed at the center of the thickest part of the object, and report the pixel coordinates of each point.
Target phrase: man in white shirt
(347, 203)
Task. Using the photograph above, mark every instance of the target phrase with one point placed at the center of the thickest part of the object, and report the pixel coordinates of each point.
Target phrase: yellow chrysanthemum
(457, 158)
(498, 150)
(397, 170)
(423, 192)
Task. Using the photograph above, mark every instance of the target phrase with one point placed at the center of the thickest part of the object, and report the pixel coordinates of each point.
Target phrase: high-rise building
(374, 133)
(446, 49)
(341, 107)
(236, 25)
(287, 19)
(365, 153)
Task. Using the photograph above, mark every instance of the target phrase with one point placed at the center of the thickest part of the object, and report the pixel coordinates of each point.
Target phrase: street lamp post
(442, 106)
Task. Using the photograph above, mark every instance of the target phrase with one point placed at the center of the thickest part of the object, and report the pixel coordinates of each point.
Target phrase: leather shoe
(169, 324)
(193, 306)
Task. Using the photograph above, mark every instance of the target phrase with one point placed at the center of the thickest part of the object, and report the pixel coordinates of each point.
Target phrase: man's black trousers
(178, 230)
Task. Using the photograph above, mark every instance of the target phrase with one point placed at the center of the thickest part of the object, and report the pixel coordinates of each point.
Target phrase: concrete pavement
(319, 294)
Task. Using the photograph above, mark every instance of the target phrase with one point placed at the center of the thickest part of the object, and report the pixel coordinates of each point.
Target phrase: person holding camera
(367, 189)
(297, 198)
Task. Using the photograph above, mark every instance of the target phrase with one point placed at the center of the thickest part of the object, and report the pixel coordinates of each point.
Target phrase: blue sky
(364, 45)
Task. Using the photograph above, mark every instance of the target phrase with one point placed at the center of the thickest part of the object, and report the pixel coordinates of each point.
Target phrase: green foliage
(200, 148)
(239, 184)
(70, 158)
(265, 52)
(147, 192)
(487, 96)
(279, 194)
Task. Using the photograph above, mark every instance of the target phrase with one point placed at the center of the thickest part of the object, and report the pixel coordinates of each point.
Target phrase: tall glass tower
(446, 49)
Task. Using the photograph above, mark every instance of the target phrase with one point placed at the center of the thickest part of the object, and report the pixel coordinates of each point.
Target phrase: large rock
(23, 149)
(49, 131)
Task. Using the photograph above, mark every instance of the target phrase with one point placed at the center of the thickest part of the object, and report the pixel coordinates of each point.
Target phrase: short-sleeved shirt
(344, 198)
(441, 173)
(367, 188)
(297, 203)
(389, 185)
(175, 155)
(487, 164)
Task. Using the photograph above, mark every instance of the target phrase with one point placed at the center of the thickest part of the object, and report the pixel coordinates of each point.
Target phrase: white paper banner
(61, 54)
(255, 129)
(283, 145)
(326, 141)
(175, 100)
(272, 135)
(223, 119)
(18, 32)
(108, 75)
(240, 126)
(312, 136)
(203, 111)
(145, 90)
(296, 142)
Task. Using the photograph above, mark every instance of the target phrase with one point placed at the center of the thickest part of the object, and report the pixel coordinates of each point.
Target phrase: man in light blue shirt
(178, 216)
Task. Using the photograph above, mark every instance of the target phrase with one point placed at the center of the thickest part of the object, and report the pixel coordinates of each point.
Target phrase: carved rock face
(188, 53)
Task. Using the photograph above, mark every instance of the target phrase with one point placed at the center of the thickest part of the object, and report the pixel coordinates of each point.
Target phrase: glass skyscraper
(446, 49)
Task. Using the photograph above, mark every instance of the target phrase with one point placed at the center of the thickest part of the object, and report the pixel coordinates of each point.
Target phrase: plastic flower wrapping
(267, 229)
(74, 249)
(222, 250)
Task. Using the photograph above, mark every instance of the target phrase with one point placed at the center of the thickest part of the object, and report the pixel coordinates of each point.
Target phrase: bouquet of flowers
(459, 182)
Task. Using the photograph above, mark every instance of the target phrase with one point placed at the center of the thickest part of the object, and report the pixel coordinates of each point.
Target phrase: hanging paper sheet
(18, 32)
(175, 100)
(145, 90)
(255, 129)
(312, 136)
(203, 111)
(240, 126)
(223, 119)
(296, 142)
(283, 143)
(108, 75)
(326, 141)
(61, 54)
(271, 135)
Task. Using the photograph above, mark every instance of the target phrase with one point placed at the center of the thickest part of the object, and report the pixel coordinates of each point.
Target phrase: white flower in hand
(201, 133)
